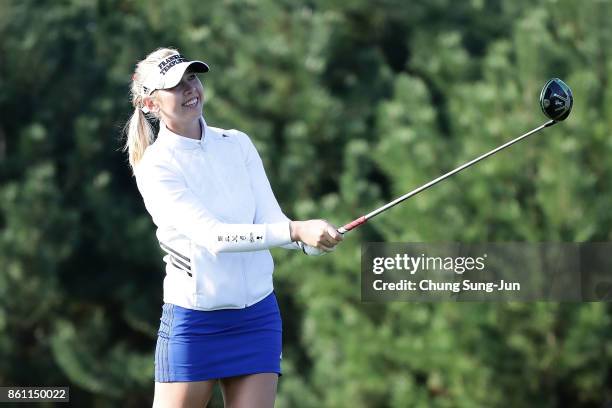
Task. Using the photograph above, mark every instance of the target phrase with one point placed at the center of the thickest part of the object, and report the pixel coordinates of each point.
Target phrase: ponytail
(138, 129)
(139, 136)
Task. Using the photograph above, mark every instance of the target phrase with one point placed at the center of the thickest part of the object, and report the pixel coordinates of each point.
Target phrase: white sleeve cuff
(278, 234)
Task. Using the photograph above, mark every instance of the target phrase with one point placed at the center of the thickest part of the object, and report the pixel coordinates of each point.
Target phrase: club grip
(352, 224)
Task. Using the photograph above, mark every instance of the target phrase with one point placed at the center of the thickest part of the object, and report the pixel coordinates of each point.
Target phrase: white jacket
(216, 217)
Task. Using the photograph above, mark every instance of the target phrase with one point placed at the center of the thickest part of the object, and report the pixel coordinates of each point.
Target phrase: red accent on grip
(355, 223)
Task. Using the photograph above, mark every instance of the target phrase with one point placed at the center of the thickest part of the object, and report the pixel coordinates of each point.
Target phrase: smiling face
(180, 105)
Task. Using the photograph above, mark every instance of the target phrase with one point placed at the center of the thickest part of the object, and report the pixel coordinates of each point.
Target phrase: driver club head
(556, 100)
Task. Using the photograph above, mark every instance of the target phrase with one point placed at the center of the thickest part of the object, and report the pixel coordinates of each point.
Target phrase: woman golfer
(216, 217)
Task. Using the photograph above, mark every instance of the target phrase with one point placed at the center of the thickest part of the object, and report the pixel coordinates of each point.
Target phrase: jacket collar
(168, 137)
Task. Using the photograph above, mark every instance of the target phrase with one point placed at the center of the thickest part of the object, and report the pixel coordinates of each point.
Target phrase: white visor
(169, 72)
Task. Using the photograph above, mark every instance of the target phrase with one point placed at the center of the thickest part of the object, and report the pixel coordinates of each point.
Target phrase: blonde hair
(138, 129)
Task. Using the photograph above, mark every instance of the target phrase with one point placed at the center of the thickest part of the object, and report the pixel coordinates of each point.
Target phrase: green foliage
(350, 104)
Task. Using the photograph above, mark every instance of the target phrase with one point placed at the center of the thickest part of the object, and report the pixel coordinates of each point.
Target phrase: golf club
(556, 101)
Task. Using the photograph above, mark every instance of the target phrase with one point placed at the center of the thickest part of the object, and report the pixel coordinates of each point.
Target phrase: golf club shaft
(357, 222)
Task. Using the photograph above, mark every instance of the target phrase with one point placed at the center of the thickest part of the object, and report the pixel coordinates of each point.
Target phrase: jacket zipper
(244, 283)
(246, 290)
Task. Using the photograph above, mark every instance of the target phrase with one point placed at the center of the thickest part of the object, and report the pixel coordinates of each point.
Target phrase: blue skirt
(195, 345)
